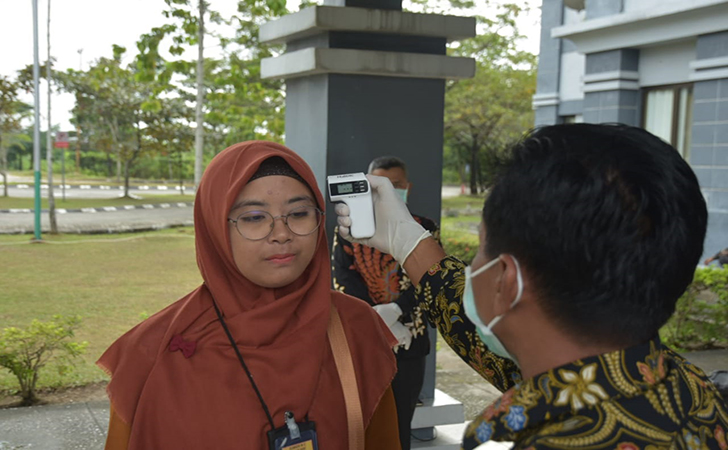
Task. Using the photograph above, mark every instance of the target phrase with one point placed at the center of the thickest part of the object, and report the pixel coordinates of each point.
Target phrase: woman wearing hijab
(263, 355)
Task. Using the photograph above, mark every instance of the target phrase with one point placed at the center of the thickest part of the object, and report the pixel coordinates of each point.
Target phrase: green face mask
(485, 332)
(402, 194)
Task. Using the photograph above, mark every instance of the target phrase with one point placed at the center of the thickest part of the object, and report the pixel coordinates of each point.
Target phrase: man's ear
(509, 279)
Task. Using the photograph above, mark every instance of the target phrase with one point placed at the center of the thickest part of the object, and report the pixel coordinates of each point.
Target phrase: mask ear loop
(519, 278)
(483, 268)
(519, 293)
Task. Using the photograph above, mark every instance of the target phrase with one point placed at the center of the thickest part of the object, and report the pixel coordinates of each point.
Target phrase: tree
(486, 114)
(238, 104)
(112, 103)
(12, 111)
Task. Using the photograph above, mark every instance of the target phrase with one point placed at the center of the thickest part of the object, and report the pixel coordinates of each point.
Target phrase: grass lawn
(475, 202)
(74, 203)
(452, 224)
(111, 281)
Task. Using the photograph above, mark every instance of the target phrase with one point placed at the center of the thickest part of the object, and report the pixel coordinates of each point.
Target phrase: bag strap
(347, 376)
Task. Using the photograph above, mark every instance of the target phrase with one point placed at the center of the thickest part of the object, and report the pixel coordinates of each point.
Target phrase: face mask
(402, 194)
(486, 331)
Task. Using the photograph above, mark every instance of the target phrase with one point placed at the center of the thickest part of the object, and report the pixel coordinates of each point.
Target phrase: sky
(85, 30)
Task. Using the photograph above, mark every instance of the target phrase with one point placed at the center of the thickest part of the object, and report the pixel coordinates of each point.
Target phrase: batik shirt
(644, 397)
(377, 278)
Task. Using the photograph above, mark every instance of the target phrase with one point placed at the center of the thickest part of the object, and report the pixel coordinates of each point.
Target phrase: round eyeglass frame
(321, 214)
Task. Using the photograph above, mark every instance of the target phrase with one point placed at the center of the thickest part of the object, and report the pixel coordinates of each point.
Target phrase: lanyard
(245, 367)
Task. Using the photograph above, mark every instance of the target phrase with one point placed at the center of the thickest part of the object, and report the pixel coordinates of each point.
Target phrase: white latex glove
(389, 312)
(403, 335)
(397, 231)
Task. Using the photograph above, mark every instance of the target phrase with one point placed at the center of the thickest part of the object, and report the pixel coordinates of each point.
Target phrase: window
(668, 114)
(572, 119)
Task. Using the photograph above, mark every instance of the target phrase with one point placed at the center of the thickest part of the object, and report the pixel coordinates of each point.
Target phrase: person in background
(263, 354)
(588, 238)
(721, 257)
(366, 273)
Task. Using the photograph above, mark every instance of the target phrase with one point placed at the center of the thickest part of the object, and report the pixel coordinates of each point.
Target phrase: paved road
(100, 222)
(111, 192)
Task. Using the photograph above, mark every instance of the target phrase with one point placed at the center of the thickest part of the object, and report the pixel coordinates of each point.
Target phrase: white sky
(95, 25)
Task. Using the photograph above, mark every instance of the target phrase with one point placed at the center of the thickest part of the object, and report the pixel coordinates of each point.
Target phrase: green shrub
(26, 351)
(461, 244)
(701, 314)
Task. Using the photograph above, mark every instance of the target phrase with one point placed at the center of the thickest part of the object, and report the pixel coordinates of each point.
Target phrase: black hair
(609, 222)
(386, 163)
(275, 165)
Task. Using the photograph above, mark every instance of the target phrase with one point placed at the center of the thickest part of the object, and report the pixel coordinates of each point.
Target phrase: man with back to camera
(588, 238)
(378, 279)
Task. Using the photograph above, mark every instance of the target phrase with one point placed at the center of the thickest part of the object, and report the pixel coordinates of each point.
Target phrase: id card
(280, 438)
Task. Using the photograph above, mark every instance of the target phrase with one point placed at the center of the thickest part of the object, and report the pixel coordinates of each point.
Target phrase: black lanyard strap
(245, 367)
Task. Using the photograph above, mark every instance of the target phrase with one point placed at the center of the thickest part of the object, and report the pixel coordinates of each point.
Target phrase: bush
(24, 352)
(701, 315)
(461, 244)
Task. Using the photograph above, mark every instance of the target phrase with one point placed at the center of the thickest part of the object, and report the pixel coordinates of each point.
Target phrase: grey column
(611, 88)
(372, 87)
(709, 139)
(549, 64)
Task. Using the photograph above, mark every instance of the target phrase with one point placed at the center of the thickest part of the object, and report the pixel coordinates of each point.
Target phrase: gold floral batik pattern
(439, 295)
(645, 397)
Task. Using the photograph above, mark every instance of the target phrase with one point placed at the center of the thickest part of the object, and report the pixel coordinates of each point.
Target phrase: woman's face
(280, 258)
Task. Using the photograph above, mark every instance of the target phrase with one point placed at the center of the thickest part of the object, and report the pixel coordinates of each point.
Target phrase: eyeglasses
(257, 225)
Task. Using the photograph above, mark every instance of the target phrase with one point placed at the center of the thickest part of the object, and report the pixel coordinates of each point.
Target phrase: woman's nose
(280, 233)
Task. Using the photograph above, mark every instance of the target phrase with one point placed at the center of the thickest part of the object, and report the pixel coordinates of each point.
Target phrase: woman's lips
(281, 259)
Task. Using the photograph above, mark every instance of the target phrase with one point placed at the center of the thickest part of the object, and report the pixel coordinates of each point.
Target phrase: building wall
(666, 64)
(709, 149)
(609, 86)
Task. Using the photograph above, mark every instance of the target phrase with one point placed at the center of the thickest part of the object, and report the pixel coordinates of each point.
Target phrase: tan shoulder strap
(347, 376)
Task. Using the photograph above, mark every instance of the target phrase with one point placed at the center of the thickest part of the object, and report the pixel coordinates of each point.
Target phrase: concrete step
(441, 410)
(448, 437)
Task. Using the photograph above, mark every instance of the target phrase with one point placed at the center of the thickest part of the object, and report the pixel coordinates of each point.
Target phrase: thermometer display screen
(345, 188)
(351, 187)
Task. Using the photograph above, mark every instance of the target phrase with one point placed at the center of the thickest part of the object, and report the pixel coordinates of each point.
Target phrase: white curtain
(659, 113)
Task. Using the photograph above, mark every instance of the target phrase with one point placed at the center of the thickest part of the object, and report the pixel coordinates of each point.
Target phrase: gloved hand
(389, 312)
(397, 231)
(402, 334)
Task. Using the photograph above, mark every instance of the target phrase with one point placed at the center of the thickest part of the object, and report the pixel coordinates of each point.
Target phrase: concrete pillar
(364, 82)
(709, 137)
(611, 88)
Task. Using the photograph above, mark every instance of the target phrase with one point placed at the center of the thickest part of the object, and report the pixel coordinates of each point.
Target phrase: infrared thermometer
(354, 190)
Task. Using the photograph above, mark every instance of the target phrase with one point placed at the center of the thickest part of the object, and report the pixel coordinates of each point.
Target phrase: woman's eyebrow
(248, 202)
(301, 198)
